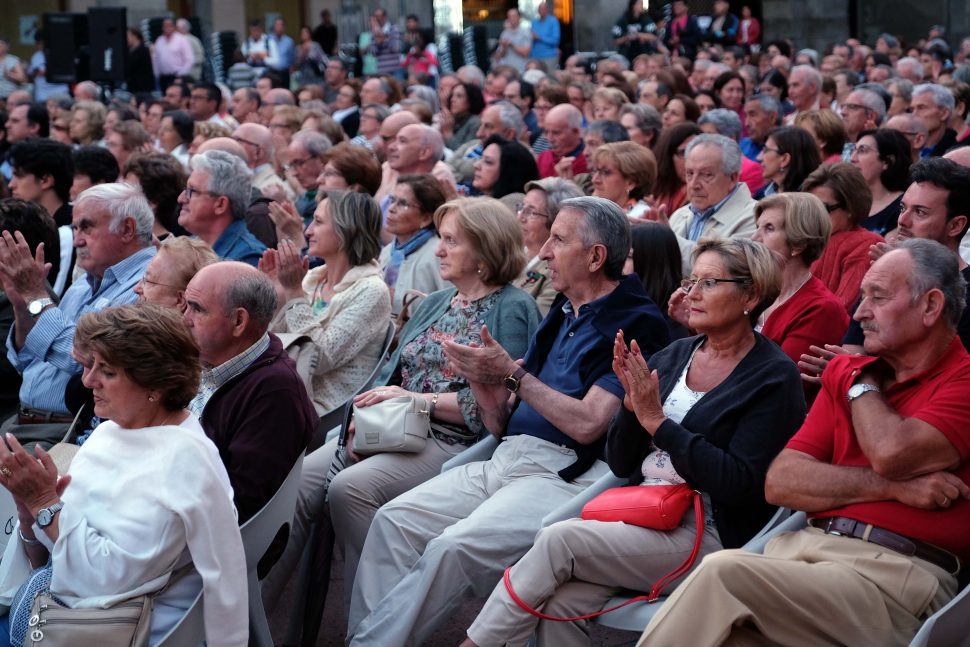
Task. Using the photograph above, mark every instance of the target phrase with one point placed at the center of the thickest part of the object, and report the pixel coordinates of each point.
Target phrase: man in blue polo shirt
(545, 38)
(456, 533)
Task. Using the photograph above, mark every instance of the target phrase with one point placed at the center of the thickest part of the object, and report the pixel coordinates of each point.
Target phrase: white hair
(121, 200)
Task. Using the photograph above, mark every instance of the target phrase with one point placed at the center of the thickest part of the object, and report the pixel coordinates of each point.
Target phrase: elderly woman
(537, 212)
(607, 103)
(410, 262)
(346, 107)
(828, 131)
(343, 306)
(845, 196)
(680, 109)
(175, 134)
(711, 411)
(624, 173)
(787, 158)
(87, 122)
(161, 178)
(368, 134)
(460, 121)
(97, 541)
(350, 168)
(806, 313)
(504, 168)
(883, 157)
(169, 272)
(480, 253)
(642, 123)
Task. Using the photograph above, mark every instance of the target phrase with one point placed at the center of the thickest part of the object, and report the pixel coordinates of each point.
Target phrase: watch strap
(518, 373)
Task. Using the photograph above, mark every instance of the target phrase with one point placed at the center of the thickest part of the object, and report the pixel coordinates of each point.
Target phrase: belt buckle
(828, 528)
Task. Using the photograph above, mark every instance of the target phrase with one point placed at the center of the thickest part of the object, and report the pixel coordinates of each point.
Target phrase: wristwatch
(45, 516)
(857, 390)
(514, 380)
(37, 306)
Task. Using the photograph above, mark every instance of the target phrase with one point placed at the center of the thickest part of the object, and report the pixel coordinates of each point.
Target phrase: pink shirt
(173, 55)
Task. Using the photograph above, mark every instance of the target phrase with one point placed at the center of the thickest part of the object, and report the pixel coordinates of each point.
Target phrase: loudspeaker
(65, 36)
(109, 42)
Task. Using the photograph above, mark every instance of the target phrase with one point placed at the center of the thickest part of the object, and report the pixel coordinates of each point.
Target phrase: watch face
(44, 517)
(511, 384)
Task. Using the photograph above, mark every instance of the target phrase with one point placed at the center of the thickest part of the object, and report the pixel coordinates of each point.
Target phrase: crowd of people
(700, 259)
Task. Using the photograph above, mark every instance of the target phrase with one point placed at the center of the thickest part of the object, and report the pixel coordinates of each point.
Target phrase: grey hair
(703, 64)
(316, 144)
(604, 223)
(574, 118)
(510, 116)
(229, 176)
(873, 102)
(810, 53)
(620, 59)
(557, 191)
(936, 267)
(767, 102)
(254, 293)
(121, 200)
(472, 73)
(730, 151)
(942, 97)
(648, 119)
(727, 122)
(962, 72)
(381, 110)
(913, 63)
(182, 22)
(431, 137)
(813, 76)
(903, 86)
(427, 94)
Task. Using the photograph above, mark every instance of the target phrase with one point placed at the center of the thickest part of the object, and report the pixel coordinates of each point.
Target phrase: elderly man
(112, 233)
(455, 533)
(173, 55)
(721, 121)
(251, 401)
(718, 205)
(184, 27)
(913, 128)
(762, 112)
(257, 141)
(804, 86)
(934, 104)
(418, 151)
(214, 206)
(564, 130)
(244, 106)
(862, 110)
(334, 78)
(305, 154)
(501, 118)
(545, 37)
(881, 466)
(375, 90)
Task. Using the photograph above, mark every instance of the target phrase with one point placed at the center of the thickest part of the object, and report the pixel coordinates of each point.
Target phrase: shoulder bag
(400, 424)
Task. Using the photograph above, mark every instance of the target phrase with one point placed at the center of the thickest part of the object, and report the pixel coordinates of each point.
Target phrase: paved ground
(333, 628)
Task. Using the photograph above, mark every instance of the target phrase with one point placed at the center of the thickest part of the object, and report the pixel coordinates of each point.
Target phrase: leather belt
(845, 527)
(38, 417)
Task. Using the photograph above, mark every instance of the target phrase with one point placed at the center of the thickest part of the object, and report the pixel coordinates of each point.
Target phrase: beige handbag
(126, 624)
(399, 424)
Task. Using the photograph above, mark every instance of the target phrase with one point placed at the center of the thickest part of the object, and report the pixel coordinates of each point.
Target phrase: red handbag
(660, 507)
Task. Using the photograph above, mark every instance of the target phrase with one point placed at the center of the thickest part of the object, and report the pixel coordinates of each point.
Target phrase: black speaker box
(65, 39)
(109, 42)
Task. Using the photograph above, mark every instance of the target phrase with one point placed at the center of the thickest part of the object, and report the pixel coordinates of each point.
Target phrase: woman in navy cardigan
(711, 411)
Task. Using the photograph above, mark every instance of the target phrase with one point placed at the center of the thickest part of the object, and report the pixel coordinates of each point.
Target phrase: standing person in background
(286, 50)
(749, 30)
(326, 33)
(184, 27)
(385, 44)
(11, 70)
(545, 37)
(514, 44)
(37, 71)
(173, 54)
(139, 72)
(724, 25)
(635, 32)
(683, 33)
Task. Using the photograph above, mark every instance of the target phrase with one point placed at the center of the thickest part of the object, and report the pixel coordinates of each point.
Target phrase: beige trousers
(808, 588)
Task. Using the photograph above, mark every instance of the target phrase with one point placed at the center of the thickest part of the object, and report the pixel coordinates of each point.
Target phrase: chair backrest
(948, 627)
(385, 349)
(259, 531)
(189, 630)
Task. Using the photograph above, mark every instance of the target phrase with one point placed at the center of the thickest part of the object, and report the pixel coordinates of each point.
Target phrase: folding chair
(189, 630)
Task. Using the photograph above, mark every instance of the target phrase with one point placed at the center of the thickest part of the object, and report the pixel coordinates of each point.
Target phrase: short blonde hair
(294, 116)
(186, 256)
(97, 114)
(210, 130)
(495, 235)
(746, 259)
(611, 95)
(634, 162)
(828, 127)
(807, 223)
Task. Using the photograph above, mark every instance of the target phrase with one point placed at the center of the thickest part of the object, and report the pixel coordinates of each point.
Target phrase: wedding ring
(946, 499)
(382, 393)
(6, 471)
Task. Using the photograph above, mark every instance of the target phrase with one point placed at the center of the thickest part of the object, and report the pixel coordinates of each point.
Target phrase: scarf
(398, 254)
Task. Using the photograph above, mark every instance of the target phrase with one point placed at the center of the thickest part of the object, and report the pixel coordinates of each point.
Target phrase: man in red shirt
(564, 130)
(881, 467)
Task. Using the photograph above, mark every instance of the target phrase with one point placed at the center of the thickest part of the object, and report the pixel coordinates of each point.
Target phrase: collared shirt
(286, 50)
(173, 55)
(750, 148)
(546, 43)
(215, 377)
(576, 338)
(847, 149)
(45, 359)
(236, 243)
(701, 217)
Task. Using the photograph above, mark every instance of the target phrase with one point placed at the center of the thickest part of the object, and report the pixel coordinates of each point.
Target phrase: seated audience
(722, 121)
(883, 157)
(125, 138)
(828, 131)
(670, 192)
(352, 168)
(175, 135)
(655, 258)
(162, 180)
(346, 107)
(563, 128)
(125, 521)
(624, 173)
(680, 109)
(460, 121)
(257, 142)
(787, 158)
(642, 123)
(880, 467)
(504, 167)
(711, 419)
(87, 123)
(92, 165)
(177, 260)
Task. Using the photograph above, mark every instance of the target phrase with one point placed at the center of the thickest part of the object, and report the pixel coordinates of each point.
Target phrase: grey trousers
(454, 535)
(808, 588)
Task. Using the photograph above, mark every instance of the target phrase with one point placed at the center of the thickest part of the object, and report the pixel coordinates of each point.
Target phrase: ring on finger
(946, 500)
(382, 393)
(6, 471)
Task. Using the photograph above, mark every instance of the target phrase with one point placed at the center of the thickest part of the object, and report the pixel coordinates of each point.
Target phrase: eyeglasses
(853, 106)
(298, 163)
(529, 212)
(605, 172)
(400, 203)
(161, 285)
(246, 141)
(707, 285)
(189, 192)
(832, 207)
(862, 149)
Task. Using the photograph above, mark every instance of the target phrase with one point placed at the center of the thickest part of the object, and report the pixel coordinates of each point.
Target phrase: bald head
(563, 128)
(959, 155)
(225, 144)
(396, 121)
(257, 141)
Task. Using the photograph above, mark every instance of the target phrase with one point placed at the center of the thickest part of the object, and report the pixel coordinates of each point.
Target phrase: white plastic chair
(188, 631)
(257, 535)
(948, 627)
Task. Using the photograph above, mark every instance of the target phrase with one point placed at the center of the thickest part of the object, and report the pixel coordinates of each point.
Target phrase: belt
(846, 527)
(37, 417)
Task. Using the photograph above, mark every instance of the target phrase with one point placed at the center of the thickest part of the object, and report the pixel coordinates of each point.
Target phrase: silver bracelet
(29, 542)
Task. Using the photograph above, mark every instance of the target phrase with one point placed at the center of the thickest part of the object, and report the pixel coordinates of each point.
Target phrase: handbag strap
(650, 597)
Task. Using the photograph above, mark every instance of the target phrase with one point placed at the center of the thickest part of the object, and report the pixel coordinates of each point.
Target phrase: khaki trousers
(574, 567)
(808, 588)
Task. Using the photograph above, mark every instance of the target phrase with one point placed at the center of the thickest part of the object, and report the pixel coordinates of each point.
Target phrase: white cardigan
(141, 502)
(419, 271)
(348, 335)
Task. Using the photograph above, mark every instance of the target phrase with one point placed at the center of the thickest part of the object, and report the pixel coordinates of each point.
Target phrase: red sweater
(812, 316)
(844, 262)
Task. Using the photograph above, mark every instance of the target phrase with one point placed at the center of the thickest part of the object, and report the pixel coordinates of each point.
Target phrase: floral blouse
(424, 367)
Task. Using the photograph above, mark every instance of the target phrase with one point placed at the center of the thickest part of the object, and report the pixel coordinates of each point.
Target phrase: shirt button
(571, 334)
